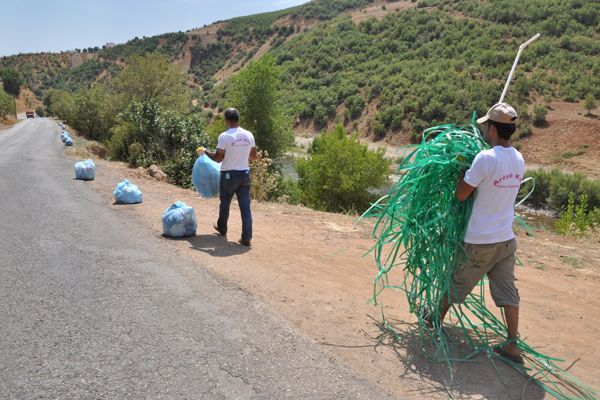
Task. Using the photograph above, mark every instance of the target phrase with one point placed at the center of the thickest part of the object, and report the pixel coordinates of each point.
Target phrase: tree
(152, 78)
(95, 112)
(61, 104)
(6, 104)
(255, 92)
(12, 81)
(340, 172)
(589, 103)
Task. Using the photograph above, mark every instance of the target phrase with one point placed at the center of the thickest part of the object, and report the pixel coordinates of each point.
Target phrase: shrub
(264, 180)
(146, 134)
(40, 111)
(590, 103)
(539, 115)
(135, 155)
(576, 218)
(287, 191)
(340, 172)
(6, 104)
(552, 189)
(524, 132)
(355, 104)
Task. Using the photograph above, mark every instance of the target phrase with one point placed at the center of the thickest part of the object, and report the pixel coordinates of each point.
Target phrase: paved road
(94, 307)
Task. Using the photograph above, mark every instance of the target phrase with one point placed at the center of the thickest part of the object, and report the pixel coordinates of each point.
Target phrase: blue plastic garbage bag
(127, 193)
(179, 220)
(69, 141)
(64, 136)
(85, 170)
(205, 176)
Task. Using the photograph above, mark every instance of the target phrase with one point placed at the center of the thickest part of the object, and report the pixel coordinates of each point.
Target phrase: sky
(28, 26)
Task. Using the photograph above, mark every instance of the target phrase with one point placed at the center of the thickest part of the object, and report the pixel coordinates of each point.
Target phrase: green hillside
(40, 70)
(438, 63)
(239, 39)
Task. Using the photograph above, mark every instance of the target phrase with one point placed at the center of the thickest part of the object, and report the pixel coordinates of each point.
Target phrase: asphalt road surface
(94, 306)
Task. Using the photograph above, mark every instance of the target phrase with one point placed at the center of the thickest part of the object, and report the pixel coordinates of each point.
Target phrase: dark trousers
(238, 183)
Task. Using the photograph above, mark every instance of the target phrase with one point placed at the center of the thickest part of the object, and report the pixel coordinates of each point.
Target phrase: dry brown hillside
(570, 141)
(27, 101)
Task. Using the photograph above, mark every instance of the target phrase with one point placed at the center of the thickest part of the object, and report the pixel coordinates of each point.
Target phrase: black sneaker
(244, 242)
(221, 233)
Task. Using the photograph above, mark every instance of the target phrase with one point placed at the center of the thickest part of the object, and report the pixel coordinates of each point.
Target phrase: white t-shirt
(497, 174)
(237, 143)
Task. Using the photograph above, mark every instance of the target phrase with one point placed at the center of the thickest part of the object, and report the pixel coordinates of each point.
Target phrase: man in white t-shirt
(489, 242)
(235, 149)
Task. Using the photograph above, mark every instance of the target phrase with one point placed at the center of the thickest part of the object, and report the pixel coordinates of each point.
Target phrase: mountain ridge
(387, 69)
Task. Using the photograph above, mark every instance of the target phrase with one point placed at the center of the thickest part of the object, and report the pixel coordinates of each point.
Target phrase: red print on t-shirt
(508, 181)
(241, 142)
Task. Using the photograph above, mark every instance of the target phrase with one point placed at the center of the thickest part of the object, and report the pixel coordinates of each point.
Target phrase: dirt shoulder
(7, 123)
(310, 267)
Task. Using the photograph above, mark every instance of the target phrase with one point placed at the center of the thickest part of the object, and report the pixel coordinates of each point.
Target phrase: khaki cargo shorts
(497, 260)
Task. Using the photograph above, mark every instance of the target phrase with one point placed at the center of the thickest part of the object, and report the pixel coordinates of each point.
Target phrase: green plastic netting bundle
(419, 230)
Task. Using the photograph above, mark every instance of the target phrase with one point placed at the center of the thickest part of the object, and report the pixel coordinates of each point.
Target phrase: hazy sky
(53, 25)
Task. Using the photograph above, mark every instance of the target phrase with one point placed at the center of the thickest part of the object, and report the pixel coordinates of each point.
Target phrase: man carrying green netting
(495, 176)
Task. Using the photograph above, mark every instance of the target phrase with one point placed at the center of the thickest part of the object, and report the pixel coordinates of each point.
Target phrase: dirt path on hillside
(309, 267)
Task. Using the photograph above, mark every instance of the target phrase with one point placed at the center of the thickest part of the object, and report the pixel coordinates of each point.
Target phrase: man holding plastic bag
(235, 149)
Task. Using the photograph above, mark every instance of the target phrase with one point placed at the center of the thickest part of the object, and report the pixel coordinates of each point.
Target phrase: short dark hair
(233, 115)
(505, 131)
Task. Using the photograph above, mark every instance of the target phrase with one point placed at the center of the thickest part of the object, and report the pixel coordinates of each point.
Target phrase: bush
(40, 111)
(264, 181)
(552, 189)
(340, 172)
(576, 218)
(287, 191)
(147, 134)
(539, 115)
(135, 155)
(355, 104)
(6, 104)
(524, 132)
(589, 103)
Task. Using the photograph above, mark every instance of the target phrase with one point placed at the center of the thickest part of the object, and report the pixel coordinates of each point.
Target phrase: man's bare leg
(511, 314)
(443, 310)
(444, 307)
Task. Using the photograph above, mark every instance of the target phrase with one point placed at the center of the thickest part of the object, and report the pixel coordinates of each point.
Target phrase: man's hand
(200, 151)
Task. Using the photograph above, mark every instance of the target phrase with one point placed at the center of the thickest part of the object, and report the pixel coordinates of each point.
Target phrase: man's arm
(463, 190)
(252, 154)
(217, 156)
(475, 175)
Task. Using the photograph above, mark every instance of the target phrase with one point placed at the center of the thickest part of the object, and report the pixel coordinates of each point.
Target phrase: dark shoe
(501, 351)
(429, 319)
(218, 230)
(244, 242)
